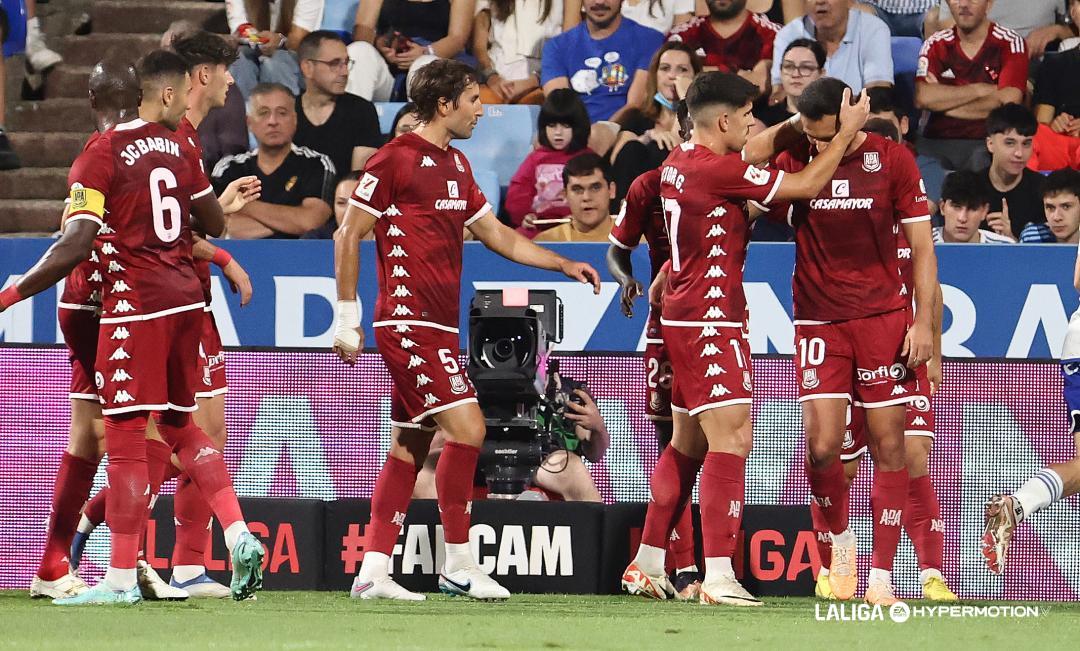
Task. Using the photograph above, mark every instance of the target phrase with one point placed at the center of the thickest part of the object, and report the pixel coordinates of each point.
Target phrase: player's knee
(822, 450)
(889, 453)
(917, 455)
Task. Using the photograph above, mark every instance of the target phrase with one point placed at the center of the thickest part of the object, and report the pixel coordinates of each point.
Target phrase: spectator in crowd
(964, 73)
(589, 192)
(1015, 191)
(9, 160)
(965, 201)
(405, 32)
(261, 27)
(883, 105)
(342, 193)
(329, 120)
(508, 38)
(297, 183)
(801, 63)
(1061, 201)
(1057, 107)
(605, 59)
(661, 15)
(855, 42)
(904, 17)
(732, 39)
(1039, 22)
(405, 120)
(39, 57)
(883, 127)
(536, 190)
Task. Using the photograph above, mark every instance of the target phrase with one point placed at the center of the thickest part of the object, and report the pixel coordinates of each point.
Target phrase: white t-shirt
(517, 42)
(662, 15)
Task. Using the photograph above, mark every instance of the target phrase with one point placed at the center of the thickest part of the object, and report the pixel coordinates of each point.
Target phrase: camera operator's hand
(582, 272)
(586, 416)
(630, 292)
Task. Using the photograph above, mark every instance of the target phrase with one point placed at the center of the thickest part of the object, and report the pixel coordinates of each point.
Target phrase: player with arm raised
(856, 342)
(705, 186)
(137, 180)
(418, 193)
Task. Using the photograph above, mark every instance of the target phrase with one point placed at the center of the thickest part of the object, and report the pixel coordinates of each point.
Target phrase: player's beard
(724, 13)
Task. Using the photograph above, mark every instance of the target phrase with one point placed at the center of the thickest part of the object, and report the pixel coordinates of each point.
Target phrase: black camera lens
(503, 350)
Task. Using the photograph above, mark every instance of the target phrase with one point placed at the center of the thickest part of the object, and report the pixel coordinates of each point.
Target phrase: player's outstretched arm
(207, 216)
(919, 342)
(622, 269)
(73, 247)
(513, 246)
(238, 278)
(770, 142)
(808, 182)
(348, 337)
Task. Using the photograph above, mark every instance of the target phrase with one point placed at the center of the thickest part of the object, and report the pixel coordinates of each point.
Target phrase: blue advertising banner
(1000, 301)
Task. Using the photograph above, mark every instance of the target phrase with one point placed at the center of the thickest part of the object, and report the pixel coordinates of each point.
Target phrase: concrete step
(68, 81)
(88, 50)
(155, 16)
(65, 114)
(30, 216)
(49, 149)
(34, 183)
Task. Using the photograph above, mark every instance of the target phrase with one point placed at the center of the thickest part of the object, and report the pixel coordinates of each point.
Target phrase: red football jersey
(751, 43)
(190, 135)
(424, 196)
(138, 181)
(82, 287)
(1002, 61)
(846, 239)
(642, 216)
(704, 198)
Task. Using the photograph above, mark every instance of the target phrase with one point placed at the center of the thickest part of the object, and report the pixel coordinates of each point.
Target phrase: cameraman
(562, 472)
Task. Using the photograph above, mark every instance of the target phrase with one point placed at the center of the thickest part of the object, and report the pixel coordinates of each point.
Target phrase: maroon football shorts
(150, 365)
(919, 420)
(710, 367)
(428, 378)
(211, 359)
(80, 330)
(857, 359)
(657, 371)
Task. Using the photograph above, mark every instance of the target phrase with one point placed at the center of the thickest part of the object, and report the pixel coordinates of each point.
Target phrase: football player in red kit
(418, 193)
(705, 187)
(137, 180)
(856, 342)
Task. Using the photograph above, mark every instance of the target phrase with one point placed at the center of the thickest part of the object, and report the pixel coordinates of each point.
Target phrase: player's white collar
(133, 124)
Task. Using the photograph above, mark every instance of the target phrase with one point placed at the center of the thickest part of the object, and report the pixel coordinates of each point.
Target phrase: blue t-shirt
(601, 71)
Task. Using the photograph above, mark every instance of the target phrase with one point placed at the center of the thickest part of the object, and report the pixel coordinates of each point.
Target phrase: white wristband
(346, 332)
(349, 313)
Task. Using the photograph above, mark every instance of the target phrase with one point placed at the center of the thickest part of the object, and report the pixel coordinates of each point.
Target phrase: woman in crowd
(660, 15)
(803, 62)
(508, 37)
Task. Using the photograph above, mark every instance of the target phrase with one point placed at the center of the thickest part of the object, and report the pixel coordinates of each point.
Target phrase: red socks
(822, 539)
(389, 503)
(723, 486)
(95, 508)
(887, 498)
(454, 484)
(923, 523)
(204, 464)
(829, 490)
(681, 541)
(671, 485)
(193, 515)
(129, 483)
(73, 482)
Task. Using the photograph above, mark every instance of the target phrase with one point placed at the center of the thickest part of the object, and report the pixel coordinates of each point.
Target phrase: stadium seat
(387, 111)
(488, 181)
(905, 54)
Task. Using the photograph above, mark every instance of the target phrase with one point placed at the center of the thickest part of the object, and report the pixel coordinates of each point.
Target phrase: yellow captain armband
(86, 201)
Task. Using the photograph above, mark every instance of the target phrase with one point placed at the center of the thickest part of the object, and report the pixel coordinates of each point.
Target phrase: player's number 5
(448, 361)
(166, 209)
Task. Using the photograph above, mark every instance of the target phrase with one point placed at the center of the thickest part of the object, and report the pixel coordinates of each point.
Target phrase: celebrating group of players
(145, 352)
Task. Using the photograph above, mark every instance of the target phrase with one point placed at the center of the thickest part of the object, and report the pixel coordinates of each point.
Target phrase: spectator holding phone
(261, 27)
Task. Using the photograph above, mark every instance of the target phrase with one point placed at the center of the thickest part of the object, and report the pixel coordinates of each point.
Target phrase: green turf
(317, 620)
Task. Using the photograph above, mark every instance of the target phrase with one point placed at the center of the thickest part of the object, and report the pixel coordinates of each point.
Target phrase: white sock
(458, 557)
(688, 568)
(718, 566)
(824, 572)
(928, 574)
(85, 526)
(651, 559)
(883, 576)
(33, 25)
(233, 531)
(1037, 493)
(182, 573)
(120, 579)
(375, 565)
(843, 539)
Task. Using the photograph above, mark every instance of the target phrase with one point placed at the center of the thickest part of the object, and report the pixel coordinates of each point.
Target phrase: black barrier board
(291, 529)
(542, 547)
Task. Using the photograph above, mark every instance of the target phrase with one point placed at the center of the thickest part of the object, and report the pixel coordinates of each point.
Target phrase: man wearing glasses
(330, 121)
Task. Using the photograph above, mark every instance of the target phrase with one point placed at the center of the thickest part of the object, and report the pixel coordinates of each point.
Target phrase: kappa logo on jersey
(719, 391)
(93, 254)
(366, 187)
(810, 379)
(119, 354)
(205, 451)
(397, 252)
(709, 331)
(402, 310)
(430, 399)
(95, 277)
(948, 74)
(871, 161)
(452, 189)
(123, 396)
(458, 385)
(123, 306)
(841, 188)
(710, 350)
(121, 375)
(423, 380)
(718, 211)
(394, 231)
(757, 175)
(415, 361)
(714, 292)
(399, 272)
(714, 370)
(120, 333)
(716, 251)
(401, 327)
(919, 420)
(401, 291)
(714, 312)
(715, 272)
(407, 343)
(115, 267)
(716, 231)
(108, 248)
(392, 211)
(427, 162)
(120, 286)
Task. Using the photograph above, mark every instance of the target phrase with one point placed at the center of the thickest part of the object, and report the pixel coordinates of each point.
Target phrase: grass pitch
(321, 620)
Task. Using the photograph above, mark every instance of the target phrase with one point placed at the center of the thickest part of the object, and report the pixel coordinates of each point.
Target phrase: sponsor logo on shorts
(810, 379)
(99, 380)
(920, 403)
(881, 374)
